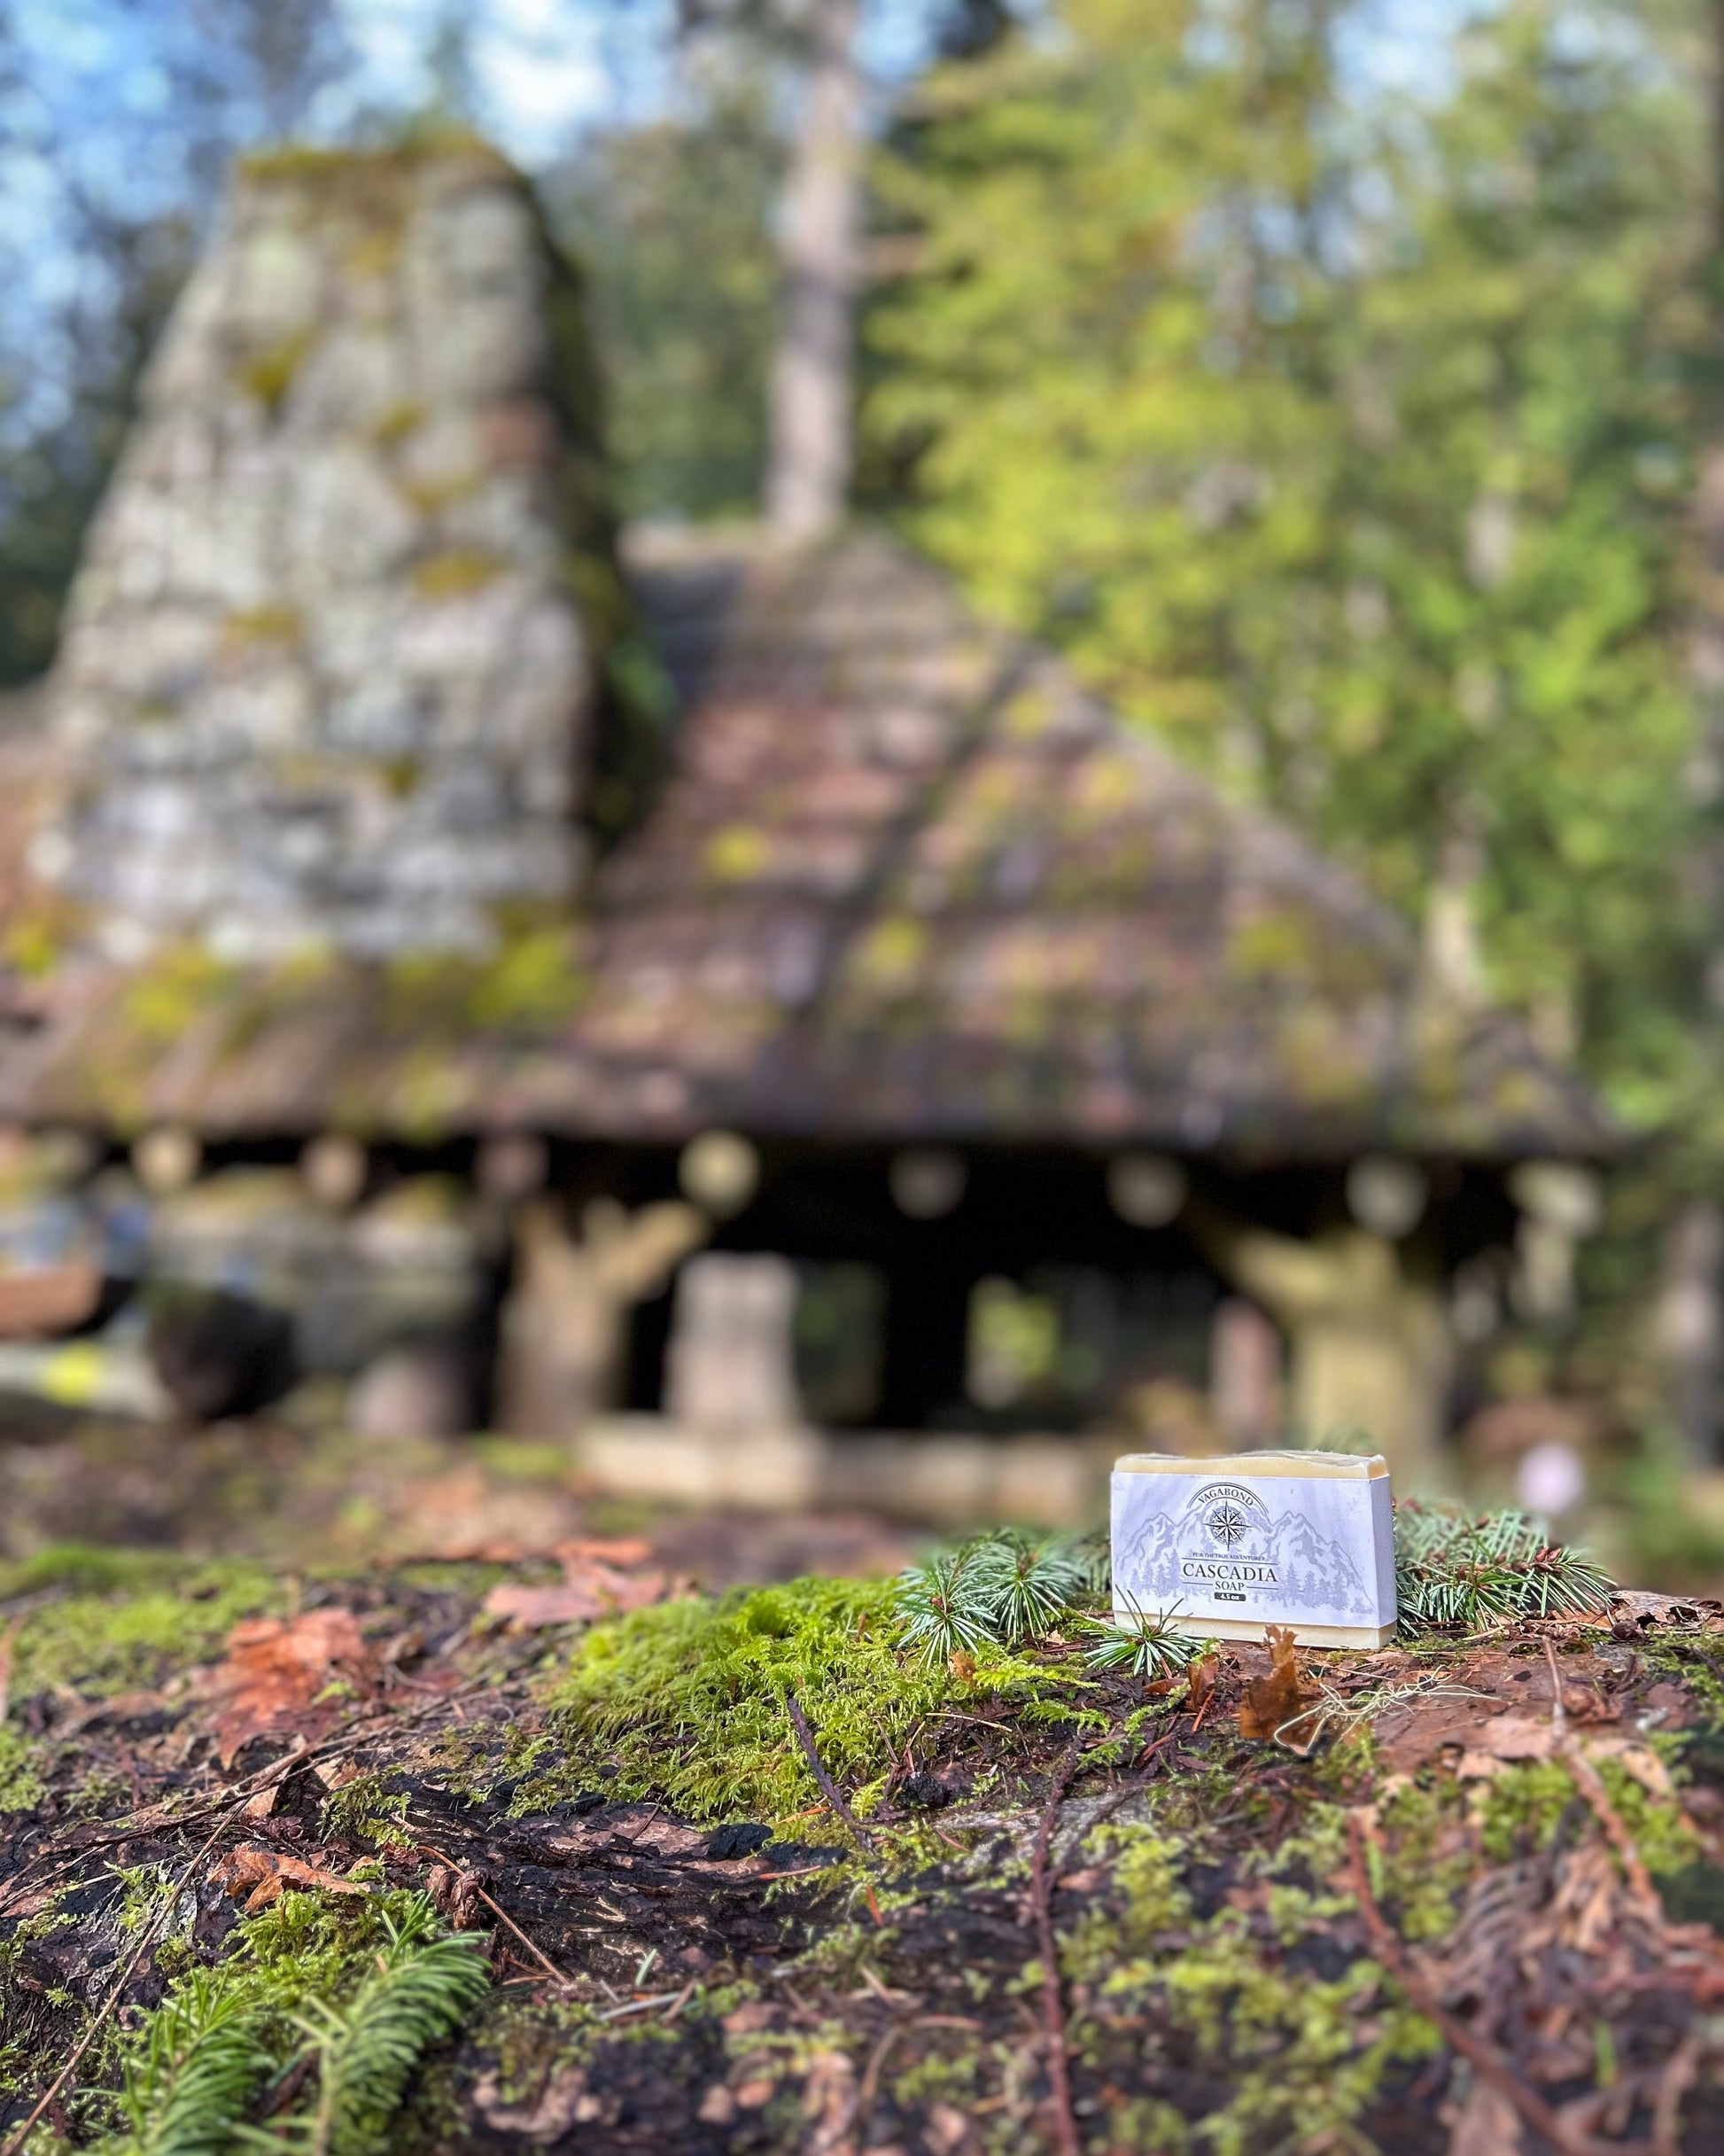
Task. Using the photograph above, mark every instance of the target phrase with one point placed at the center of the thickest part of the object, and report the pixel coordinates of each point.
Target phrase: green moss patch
(686, 1702)
(113, 1620)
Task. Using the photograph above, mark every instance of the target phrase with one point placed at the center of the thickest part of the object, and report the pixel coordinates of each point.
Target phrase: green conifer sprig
(419, 1990)
(944, 1607)
(1453, 1571)
(1142, 1642)
(995, 1590)
(1027, 1582)
(201, 2062)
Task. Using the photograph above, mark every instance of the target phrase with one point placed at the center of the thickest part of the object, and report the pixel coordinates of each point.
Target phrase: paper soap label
(1285, 1549)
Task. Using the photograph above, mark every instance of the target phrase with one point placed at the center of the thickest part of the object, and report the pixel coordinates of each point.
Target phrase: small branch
(1484, 2058)
(15, 2143)
(829, 1789)
(545, 1962)
(1053, 2009)
(1558, 1712)
(1591, 1786)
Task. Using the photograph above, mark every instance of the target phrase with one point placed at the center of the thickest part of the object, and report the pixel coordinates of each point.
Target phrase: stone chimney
(330, 676)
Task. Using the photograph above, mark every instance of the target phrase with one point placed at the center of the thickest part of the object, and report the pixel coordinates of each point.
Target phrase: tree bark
(810, 421)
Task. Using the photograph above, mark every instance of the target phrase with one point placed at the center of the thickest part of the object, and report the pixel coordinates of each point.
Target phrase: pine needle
(1454, 1572)
(197, 2075)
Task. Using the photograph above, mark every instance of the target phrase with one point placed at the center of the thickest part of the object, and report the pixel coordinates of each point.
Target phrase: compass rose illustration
(1226, 1523)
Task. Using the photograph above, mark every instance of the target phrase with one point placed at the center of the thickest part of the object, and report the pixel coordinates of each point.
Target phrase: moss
(686, 1702)
(362, 1811)
(262, 625)
(21, 1786)
(1522, 1806)
(270, 374)
(398, 422)
(1300, 2058)
(456, 573)
(135, 1619)
(171, 990)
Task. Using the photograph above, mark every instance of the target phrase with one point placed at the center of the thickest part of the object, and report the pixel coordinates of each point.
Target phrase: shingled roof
(907, 878)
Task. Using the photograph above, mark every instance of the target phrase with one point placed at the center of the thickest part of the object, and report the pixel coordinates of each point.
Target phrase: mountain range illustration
(1311, 1571)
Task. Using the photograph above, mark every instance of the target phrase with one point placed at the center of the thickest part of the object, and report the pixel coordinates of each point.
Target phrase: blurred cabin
(678, 995)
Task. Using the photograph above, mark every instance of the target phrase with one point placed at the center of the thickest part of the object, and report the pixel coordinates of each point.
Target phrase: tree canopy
(1345, 437)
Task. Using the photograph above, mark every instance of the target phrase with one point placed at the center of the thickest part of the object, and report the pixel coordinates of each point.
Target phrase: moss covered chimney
(334, 673)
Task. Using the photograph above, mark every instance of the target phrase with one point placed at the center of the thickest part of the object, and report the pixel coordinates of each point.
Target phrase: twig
(1591, 1786)
(658, 1998)
(1053, 2011)
(1558, 1712)
(147, 1939)
(863, 2107)
(544, 1960)
(1678, 2077)
(829, 1789)
(1484, 2059)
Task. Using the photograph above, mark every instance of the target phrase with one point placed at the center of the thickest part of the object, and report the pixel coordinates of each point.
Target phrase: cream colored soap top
(1328, 1466)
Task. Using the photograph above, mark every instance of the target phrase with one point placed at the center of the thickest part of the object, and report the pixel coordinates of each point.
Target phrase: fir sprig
(202, 2061)
(419, 1990)
(995, 1590)
(943, 1607)
(1453, 1571)
(1027, 1581)
(1142, 1642)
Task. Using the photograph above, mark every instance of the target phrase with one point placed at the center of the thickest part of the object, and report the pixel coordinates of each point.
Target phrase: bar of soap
(1222, 1547)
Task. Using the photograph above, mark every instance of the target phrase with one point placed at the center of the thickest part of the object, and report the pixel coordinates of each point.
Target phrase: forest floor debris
(1475, 1907)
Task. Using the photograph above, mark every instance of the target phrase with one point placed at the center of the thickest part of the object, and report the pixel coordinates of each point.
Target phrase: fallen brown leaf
(268, 1874)
(1279, 1702)
(1200, 1682)
(276, 1671)
(588, 1591)
(605, 1550)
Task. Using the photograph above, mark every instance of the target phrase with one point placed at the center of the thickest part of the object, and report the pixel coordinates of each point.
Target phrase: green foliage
(1453, 1571)
(686, 1702)
(128, 1618)
(996, 1589)
(1141, 1642)
(674, 220)
(201, 2060)
(1345, 435)
(21, 1786)
(942, 1608)
(423, 1983)
(358, 1993)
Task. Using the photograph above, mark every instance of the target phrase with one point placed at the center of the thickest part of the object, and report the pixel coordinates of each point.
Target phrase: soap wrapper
(1220, 1548)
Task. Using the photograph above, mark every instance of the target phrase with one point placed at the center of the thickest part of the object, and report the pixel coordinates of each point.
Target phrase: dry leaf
(267, 1873)
(1200, 1682)
(1279, 1701)
(1489, 2124)
(272, 1682)
(588, 1591)
(605, 1550)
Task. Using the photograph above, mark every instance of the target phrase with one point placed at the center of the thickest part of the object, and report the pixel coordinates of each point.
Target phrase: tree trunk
(809, 449)
(1690, 1324)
